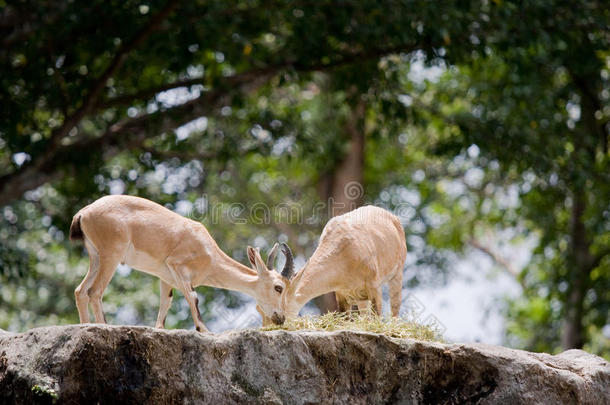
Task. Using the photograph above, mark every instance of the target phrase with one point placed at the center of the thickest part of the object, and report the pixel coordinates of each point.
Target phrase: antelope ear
(296, 278)
(251, 256)
(260, 264)
(256, 260)
(272, 255)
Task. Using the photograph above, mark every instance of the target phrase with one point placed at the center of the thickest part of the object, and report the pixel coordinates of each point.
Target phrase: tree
(73, 66)
(535, 105)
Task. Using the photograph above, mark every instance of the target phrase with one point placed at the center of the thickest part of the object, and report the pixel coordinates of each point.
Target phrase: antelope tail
(76, 233)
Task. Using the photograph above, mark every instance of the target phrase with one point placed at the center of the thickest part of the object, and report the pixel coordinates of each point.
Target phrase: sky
(469, 305)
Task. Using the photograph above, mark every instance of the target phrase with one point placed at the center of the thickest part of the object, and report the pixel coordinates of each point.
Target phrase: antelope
(179, 251)
(358, 252)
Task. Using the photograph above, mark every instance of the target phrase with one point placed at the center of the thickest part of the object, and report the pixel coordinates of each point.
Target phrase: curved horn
(288, 270)
(272, 255)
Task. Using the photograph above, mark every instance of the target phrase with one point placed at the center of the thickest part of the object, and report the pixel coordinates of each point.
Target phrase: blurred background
(482, 124)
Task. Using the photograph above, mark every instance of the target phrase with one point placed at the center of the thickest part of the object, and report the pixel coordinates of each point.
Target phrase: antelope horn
(272, 255)
(288, 270)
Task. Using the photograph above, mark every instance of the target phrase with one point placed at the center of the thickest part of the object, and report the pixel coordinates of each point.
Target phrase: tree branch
(146, 94)
(38, 171)
(44, 166)
(597, 259)
(130, 133)
(502, 261)
(190, 155)
(590, 103)
(18, 28)
(116, 63)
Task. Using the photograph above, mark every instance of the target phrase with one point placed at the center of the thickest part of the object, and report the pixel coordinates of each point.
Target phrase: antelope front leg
(364, 307)
(396, 292)
(165, 304)
(342, 304)
(189, 293)
(193, 301)
(377, 301)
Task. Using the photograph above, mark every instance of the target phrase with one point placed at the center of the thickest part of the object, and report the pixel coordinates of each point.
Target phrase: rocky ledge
(140, 365)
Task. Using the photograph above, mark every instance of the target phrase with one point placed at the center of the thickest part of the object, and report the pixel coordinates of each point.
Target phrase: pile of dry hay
(398, 327)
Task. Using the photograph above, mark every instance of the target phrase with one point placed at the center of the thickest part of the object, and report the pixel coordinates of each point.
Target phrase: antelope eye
(278, 288)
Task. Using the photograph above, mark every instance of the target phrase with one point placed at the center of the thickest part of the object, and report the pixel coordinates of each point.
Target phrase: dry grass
(394, 327)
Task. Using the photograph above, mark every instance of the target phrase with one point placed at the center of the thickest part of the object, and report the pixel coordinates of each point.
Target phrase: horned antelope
(358, 252)
(152, 239)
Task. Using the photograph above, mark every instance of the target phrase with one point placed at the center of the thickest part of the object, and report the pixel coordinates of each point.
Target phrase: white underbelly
(144, 262)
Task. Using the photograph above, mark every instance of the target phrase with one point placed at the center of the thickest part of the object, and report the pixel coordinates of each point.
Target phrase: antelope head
(272, 284)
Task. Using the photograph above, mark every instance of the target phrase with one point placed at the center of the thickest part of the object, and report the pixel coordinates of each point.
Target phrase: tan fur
(358, 252)
(181, 252)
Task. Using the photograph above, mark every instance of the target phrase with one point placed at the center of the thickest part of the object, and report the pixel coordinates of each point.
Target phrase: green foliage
(45, 393)
(537, 109)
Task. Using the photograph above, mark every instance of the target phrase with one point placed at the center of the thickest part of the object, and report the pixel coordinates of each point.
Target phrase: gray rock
(118, 364)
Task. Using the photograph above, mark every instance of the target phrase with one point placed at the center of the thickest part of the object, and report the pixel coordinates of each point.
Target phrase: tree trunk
(579, 268)
(346, 190)
(342, 188)
(581, 263)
